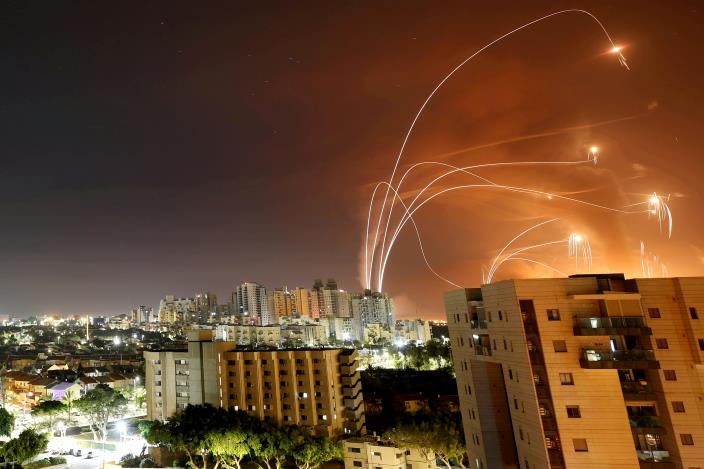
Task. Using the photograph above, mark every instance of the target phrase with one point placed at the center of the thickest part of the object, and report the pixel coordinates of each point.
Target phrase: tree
(439, 437)
(311, 452)
(229, 447)
(189, 431)
(26, 446)
(275, 445)
(99, 405)
(69, 399)
(48, 410)
(7, 422)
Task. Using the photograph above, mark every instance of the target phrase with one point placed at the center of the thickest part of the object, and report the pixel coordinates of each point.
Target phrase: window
(580, 444)
(515, 403)
(501, 316)
(701, 344)
(376, 453)
(510, 374)
(357, 463)
(678, 406)
(566, 379)
(686, 439)
(693, 313)
(573, 412)
(553, 314)
(661, 343)
(559, 345)
(670, 375)
(654, 312)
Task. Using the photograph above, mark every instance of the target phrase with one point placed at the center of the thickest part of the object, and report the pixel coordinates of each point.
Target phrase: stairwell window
(654, 312)
(553, 314)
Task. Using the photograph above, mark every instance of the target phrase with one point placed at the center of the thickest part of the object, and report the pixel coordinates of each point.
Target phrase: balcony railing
(635, 390)
(478, 324)
(645, 421)
(619, 359)
(611, 325)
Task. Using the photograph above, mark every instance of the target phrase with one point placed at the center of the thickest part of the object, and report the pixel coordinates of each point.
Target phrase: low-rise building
(373, 453)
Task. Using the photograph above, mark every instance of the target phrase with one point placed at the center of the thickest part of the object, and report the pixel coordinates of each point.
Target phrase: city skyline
(168, 151)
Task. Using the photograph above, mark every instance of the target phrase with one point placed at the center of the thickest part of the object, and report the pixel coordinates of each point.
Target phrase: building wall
(496, 352)
(370, 453)
(318, 388)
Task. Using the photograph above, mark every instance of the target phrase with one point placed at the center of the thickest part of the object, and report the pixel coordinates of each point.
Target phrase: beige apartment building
(372, 453)
(591, 371)
(316, 388)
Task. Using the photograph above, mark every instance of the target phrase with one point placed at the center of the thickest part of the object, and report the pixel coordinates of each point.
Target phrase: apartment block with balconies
(316, 388)
(585, 372)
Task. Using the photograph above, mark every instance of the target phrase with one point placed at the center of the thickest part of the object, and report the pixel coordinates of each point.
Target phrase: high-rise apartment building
(141, 315)
(206, 305)
(316, 388)
(373, 308)
(281, 303)
(591, 371)
(252, 305)
(301, 302)
(174, 310)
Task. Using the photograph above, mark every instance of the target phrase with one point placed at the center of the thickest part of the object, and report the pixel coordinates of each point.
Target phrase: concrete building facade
(589, 371)
(317, 388)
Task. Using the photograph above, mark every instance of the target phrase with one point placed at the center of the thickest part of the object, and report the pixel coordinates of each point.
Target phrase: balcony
(611, 325)
(478, 324)
(646, 423)
(655, 459)
(619, 360)
(636, 391)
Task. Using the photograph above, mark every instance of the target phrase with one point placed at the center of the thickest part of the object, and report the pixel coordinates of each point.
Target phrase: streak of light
(621, 60)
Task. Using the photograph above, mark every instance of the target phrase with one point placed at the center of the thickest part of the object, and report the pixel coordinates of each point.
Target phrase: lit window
(566, 379)
(553, 314)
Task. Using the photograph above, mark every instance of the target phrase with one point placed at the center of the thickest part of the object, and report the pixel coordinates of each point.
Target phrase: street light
(122, 429)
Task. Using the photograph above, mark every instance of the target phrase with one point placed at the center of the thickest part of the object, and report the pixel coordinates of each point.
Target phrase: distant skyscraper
(142, 315)
(281, 303)
(205, 304)
(174, 310)
(373, 308)
(301, 302)
(328, 301)
(252, 305)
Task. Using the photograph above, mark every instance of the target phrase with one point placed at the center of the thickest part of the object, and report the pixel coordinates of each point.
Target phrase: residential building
(249, 335)
(318, 388)
(251, 304)
(589, 371)
(205, 305)
(174, 310)
(373, 308)
(142, 315)
(344, 329)
(412, 331)
(328, 301)
(373, 453)
(281, 303)
(301, 302)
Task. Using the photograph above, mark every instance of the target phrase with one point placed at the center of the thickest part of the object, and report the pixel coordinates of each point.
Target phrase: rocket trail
(614, 48)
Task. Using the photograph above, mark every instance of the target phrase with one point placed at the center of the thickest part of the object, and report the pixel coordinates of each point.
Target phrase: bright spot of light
(654, 199)
(594, 149)
(578, 238)
(616, 49)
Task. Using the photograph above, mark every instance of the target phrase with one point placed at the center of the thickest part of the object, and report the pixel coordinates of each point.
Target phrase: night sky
(153, 148)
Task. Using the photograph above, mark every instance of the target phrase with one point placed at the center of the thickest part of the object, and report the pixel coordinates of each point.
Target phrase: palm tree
(68, 399)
